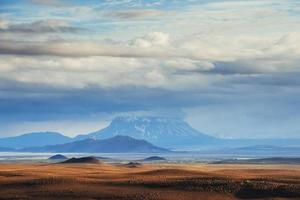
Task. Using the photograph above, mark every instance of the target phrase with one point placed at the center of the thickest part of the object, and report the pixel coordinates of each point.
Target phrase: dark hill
(133, 164)
(58, 157)
(154, 158)
(83, 160)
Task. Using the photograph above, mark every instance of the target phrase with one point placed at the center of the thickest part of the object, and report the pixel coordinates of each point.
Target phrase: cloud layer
(41, 26)
(64, 60)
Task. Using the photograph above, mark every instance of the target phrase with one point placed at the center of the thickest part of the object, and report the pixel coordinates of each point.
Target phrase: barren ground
(156, 181)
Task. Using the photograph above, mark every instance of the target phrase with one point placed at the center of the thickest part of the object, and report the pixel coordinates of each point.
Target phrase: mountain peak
(157, 130)
(146, 119)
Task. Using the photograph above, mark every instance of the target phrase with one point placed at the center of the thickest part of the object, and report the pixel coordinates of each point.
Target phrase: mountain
(117, 144)
(5, 149)
(34, 139)
(167, 132)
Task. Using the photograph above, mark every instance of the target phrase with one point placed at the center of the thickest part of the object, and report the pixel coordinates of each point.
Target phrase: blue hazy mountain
(117, 144)
(166, 132)
(58, 157)
(176, 133)
(6, 149)
(34, 139)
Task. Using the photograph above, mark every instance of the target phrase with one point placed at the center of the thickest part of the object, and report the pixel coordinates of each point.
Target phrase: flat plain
(149, 181)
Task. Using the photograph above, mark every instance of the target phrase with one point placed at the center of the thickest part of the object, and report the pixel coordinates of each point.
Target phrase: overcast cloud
(88, 61)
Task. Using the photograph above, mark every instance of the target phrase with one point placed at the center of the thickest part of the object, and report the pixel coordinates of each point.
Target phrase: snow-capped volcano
(157, 130)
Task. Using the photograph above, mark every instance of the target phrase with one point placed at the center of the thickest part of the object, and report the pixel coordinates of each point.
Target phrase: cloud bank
(80, 59)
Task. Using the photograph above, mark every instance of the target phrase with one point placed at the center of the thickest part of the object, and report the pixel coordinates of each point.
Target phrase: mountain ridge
(117, 144)
(34, 139)
(173, 133)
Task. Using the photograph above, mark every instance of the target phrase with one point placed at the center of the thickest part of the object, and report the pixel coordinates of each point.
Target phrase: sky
(229, 68)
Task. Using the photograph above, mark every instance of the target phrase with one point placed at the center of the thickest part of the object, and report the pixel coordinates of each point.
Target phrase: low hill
(83, 160)
(58, 157)
(132, 164)
(117, 144)
(154, 158)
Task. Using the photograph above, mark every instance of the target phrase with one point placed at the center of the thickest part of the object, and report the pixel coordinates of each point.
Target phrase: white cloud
(155, 60)
(41, 26)
(152, 39)
(199, 52)
(4, 24)
(48, 3)
(136, 14)
(104, 72)
(236, 37)
(159, 45)
(66, 127)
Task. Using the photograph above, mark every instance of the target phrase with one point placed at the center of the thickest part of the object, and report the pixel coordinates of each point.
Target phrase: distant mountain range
(171, 133)
(5, 149)
(117, 144)
(34, 139)
(174, 133)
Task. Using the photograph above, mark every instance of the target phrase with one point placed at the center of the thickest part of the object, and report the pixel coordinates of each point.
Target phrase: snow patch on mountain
(158, 130)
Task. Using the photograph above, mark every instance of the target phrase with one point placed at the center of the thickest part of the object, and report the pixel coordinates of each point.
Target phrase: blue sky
(230, 68)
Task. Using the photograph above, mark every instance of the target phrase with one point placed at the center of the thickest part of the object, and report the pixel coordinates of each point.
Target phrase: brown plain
(151, 181)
